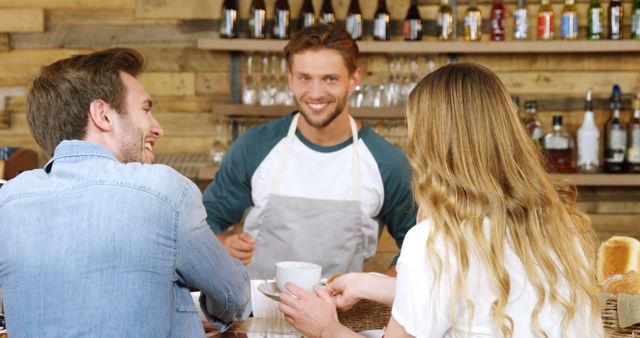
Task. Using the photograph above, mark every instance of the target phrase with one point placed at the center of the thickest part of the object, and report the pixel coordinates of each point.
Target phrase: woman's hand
(344, 290)
(349, 289)
(313, 314)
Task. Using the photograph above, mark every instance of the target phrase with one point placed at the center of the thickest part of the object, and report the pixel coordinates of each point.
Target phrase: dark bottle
(381, 22)
(353, 21)
(615, 136)
(413, 23)
(595, 29)
(558, 148)
(229, 19)
(327, 15)
(257, 20)
(307, 15)
(497, 20)
(633, 151)
(281, 20)
(615, 14)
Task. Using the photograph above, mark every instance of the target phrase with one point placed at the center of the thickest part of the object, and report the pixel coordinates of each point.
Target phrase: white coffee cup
(302, 274)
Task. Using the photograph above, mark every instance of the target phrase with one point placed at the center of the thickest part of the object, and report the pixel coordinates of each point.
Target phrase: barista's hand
(239, 246)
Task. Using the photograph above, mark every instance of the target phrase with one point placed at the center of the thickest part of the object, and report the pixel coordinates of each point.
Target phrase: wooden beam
(179, 9)
(5, 42)
(70, 4)
(21, 20)
(103, 36)
(179, 84)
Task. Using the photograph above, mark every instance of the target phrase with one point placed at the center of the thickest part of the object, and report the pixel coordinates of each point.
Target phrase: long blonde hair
(472, 159)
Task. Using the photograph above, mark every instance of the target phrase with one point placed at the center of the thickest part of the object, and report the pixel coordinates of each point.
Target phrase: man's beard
(132, 146)
(340, 105)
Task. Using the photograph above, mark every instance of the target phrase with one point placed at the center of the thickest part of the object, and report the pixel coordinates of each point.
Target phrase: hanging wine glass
(249, 92)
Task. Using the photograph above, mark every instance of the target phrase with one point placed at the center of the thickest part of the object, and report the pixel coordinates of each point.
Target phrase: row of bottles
(445, 18)
(281, 24)
(621, 144)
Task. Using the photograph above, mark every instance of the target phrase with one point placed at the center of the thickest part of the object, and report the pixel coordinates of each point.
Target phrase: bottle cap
(557, 120)
(614, 101)
(588, 104)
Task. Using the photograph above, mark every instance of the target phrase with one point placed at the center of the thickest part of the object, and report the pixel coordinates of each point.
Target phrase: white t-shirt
(425, 311)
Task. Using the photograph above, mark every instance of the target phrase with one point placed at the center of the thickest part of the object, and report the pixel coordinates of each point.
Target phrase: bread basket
(366, 315)
(611, 322)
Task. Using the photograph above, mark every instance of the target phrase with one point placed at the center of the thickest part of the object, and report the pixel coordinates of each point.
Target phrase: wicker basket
(610, 322)
(366, 315)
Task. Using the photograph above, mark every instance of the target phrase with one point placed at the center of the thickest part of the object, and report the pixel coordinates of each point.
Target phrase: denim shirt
(91, 247)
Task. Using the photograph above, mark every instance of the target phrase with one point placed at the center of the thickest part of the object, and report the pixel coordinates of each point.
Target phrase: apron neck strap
(355, 168)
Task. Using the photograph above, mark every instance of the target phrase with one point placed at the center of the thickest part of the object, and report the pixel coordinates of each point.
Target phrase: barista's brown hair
(324, 36)
(58, 102)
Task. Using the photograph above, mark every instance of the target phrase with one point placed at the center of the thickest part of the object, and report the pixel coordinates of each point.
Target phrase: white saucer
(270, 289)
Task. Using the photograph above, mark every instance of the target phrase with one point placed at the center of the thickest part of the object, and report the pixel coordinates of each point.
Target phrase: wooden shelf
(277, 111)
(440, 47)
(580, 180)
(600, 180)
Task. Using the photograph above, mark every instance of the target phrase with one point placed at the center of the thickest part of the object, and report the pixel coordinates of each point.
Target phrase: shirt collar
(74, 148)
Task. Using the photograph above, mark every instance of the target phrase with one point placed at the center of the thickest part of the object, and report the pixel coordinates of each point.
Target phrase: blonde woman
(500, 250)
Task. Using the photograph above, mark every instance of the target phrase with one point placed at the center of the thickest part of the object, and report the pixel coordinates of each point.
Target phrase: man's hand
(313, 314)
(239, 246)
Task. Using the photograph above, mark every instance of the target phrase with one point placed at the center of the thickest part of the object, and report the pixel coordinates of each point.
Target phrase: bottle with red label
(545, 21)
(497, 20)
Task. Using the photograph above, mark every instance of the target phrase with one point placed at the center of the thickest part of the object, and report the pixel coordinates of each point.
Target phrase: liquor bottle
(381, 22)
(635, 20)
(257, 20)
(595, 29)
(229, 19)
(531, 122)
(521, 21)
(327, 15)
(413, 23)
(472, 23)
(445, 22)
(615, 15)
(616, 136)
(545, 21)
(569, 21)
(497, 20)
(281, 20)
(633, 152)
(558, 147)
(307, 15)
(588, 140)
(353, 21)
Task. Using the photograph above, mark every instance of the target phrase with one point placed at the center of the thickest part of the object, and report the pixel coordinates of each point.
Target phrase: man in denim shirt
(100, 243)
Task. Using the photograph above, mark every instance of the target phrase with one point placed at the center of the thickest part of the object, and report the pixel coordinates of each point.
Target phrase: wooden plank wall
(185, 81)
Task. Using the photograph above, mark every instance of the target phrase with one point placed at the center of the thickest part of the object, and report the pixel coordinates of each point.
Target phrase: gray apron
(325, 232)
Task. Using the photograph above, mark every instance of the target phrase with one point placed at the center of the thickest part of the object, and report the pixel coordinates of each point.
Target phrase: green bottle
(635, 20)
(595, 13)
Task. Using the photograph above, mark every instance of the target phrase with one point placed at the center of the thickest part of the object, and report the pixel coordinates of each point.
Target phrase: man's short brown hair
(321, 36)
(59, 100)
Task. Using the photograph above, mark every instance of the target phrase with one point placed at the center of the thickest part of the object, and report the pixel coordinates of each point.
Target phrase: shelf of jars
(230, 109)
(439, 47)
